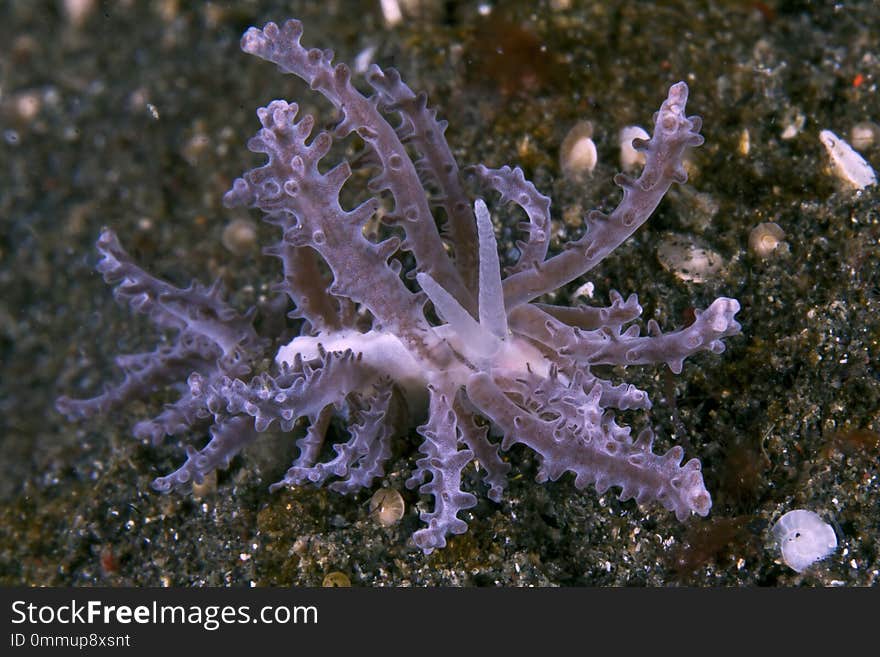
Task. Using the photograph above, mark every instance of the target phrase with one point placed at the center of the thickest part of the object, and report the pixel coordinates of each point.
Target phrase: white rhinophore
(493, 316)
(474, 340)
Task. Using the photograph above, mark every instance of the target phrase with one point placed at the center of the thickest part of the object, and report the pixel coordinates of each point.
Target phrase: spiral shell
(336, 579)
(803, 538)
(387, 506)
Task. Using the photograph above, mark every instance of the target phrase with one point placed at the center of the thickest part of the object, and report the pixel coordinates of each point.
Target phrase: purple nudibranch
(488, 354)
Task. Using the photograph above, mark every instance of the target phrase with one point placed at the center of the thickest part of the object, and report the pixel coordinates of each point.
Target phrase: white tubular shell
(803, 538)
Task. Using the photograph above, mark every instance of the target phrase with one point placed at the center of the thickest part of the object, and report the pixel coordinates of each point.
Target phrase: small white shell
(387, 506)
(767, 239)
(630, 158)
(577, 154)
(803, 538)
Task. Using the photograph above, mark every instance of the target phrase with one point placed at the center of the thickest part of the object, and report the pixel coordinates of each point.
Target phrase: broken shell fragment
(630, 158)
(847, 165)
(688, 259)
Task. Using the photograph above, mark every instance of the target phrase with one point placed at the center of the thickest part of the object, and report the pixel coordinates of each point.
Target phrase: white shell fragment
(391, 12)
(803, 538)
(850, 167)
(688, 258)
(630, 158)
(793, 123)
(577, 154)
